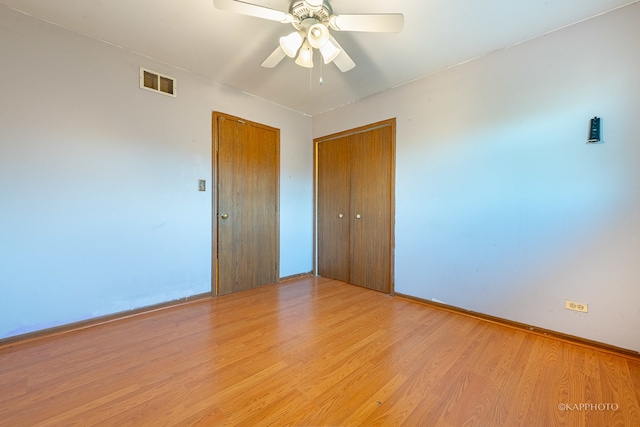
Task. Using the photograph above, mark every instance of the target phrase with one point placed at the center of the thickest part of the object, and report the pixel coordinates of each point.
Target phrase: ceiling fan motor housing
(306, 16)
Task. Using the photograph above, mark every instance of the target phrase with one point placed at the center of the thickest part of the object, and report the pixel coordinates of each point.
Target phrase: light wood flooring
(312, 352)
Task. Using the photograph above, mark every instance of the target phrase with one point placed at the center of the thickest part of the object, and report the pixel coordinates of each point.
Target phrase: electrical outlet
(576, 306)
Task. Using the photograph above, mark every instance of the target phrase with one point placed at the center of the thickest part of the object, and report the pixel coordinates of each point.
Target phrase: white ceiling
(228, 48)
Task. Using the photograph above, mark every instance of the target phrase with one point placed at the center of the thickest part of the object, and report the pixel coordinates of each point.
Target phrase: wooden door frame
(215, 115)
(361, 129)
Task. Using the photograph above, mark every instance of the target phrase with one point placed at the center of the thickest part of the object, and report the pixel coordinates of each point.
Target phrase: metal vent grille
(156, 82)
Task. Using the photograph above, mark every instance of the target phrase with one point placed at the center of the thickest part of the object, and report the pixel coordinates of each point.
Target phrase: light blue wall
(100, 211)
(501, 207)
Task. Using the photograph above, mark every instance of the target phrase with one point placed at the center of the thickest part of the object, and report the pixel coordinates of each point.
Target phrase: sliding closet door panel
(371, 198)
(333, 208)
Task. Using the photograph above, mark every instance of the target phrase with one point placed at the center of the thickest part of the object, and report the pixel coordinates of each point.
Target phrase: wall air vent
(155, 82)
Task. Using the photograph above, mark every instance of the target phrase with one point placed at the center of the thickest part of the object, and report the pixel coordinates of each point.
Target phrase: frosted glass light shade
(305, 56)
(291, 43)
(318, 35)
(329, 51)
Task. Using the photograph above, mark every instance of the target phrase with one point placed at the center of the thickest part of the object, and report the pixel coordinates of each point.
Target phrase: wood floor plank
(312, 351)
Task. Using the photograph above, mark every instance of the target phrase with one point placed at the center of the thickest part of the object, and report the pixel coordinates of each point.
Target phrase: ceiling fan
(312, 20)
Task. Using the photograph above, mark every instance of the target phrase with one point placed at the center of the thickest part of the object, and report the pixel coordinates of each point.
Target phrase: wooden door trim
(215, 115)
(361, 129)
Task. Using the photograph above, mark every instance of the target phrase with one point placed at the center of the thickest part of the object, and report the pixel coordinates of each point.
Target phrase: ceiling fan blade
(375, 23)
(253, 10)
(343, 61)
(274, 59)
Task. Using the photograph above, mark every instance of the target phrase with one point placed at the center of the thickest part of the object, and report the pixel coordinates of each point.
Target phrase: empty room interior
(408, 213)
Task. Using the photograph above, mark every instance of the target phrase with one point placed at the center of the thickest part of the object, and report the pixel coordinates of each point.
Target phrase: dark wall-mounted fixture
(594, 131)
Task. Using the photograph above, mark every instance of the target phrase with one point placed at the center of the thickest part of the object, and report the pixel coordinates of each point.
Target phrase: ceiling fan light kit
(305, 57)
(318, 35)
(312, 20)
(329, 52)
(291, 43)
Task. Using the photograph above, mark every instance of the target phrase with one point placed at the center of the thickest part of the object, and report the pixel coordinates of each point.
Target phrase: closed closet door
(355, 206)
(334, 198)
(371, 209)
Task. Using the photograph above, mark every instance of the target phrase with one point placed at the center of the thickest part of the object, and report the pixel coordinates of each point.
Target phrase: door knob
(340, 216)
(224, 216)
(358, 216)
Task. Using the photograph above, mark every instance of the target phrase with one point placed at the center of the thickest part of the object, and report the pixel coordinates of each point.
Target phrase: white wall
(501, 207)
(100, 211)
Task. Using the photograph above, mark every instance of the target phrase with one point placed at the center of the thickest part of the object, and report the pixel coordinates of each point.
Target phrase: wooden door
(355, 178)
(247, 205)
(371, 220)
(333, 207)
